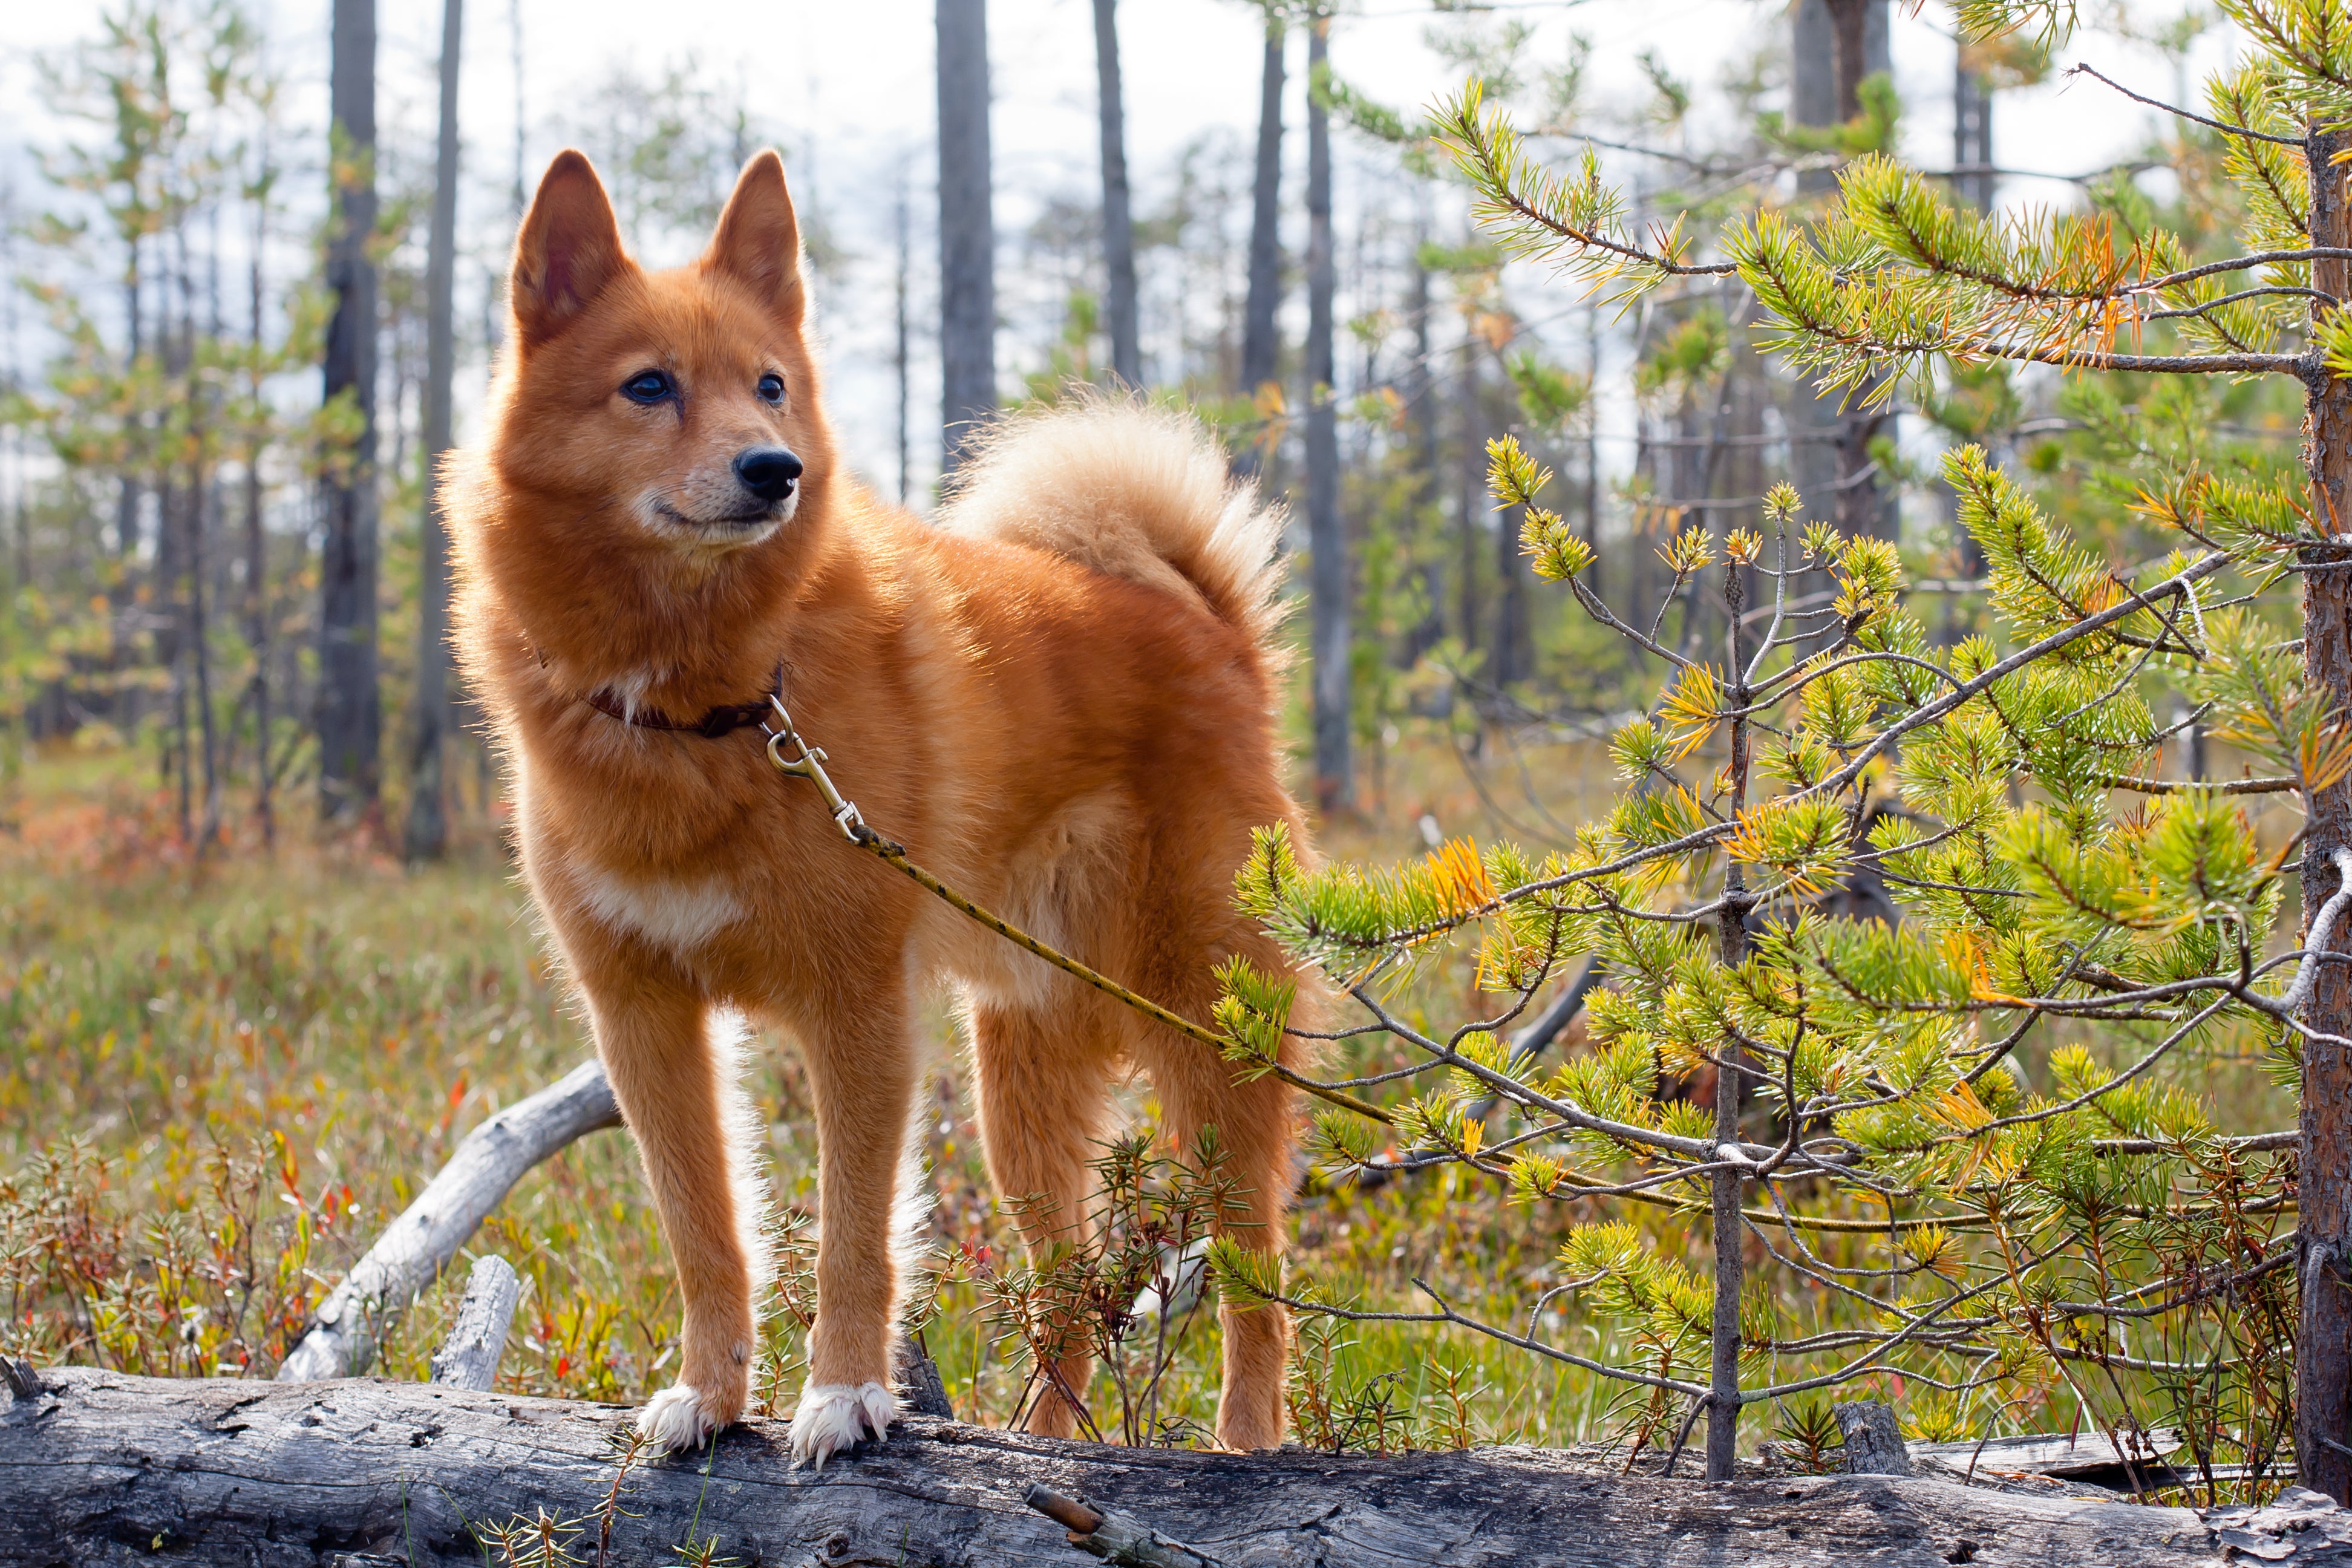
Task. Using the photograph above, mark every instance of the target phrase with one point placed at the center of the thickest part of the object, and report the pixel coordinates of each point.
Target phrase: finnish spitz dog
(1060, 695)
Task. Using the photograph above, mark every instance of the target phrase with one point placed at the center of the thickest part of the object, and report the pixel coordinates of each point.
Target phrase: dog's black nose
(767, 472)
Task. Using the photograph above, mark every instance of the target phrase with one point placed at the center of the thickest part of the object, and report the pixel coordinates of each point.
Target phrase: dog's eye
(647, 386)
(771, 388)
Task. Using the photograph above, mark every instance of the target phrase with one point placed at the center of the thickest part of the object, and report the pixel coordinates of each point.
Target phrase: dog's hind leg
(1044, 1077)
(864, 1072)
(674, 1076)
(1256, 1128)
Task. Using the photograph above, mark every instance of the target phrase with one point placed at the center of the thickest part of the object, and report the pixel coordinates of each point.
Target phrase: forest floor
(221, 1079)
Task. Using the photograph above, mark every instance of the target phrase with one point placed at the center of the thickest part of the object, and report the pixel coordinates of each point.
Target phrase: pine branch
(2084, 68)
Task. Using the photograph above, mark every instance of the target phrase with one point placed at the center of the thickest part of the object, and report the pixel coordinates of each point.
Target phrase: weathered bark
(428, 824)
(2323, 1436)
(2088, 1456)
(468, 1355)
(1326, 534)
(1874, 1439)
(103, 1468)
(1118, 225)
(418, 1244)
(350, 716)
(967, 228)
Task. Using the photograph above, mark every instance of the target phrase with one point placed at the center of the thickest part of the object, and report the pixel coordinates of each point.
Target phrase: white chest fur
(678, 914)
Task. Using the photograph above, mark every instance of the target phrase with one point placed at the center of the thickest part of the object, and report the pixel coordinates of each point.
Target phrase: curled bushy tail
(1133, 491)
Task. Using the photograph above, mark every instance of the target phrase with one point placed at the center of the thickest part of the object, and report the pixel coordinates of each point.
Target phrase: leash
(809, 763)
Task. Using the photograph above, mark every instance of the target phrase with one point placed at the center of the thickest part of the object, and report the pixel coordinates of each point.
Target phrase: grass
(222, 1079)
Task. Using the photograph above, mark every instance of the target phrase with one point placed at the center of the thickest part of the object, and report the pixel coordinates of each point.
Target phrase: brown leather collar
(722, 721)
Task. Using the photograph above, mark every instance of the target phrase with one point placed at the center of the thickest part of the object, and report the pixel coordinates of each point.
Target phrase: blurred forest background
(261, 958)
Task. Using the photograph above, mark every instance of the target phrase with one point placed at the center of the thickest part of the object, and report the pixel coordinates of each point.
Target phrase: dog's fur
(1061, 700)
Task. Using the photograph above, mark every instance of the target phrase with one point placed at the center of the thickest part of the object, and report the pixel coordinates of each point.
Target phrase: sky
(852, 85)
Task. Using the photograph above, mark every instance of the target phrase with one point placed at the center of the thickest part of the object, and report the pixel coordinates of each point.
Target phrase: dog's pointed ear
(758, 241)
(568, 251)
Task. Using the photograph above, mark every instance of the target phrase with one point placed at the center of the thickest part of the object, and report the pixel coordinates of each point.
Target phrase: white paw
(833, 1415)
(675, 1420)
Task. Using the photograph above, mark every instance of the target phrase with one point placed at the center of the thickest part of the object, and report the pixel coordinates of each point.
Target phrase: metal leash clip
(810, 765)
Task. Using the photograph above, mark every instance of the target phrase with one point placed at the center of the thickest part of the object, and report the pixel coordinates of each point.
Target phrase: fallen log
(103, 1468)
(1874, 1439)
(412, 1253)
(468, 1356)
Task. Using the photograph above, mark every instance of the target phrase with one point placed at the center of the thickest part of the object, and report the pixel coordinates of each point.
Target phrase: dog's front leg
(863, 1075)
(675, 1083)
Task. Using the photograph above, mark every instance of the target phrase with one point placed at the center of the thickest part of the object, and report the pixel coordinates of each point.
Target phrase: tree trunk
(967, 228)
(1838, 43)
(1972, 177)
(1118, 225)
(1471, 487)
(1972, 185)
(1421, 411)
(2323, 1411)
(349, 707)
(428, 823)
(126, 502)
(1326, 534)
(1260, 340)
(103, 1468)
(256, 541)
(1826, 88)
(200, 491)
(1858, 46)
(1594, 577)
(903, 358)
(172, 645)
(1728, 1230)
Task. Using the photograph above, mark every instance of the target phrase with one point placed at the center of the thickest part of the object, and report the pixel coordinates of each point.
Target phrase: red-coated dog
(1060, 697)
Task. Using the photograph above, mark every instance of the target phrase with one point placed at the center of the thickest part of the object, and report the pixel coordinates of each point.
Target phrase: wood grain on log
(2052, 1452)
(468, 1356)
(105, 1469)
(409, 1254)
(1874, 1439)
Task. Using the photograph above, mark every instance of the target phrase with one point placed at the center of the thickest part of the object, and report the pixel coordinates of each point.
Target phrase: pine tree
(1334, 653)
(1118, 227)
(1969, 1145)
(350, 718)
(165, 403)
(967, 227)
(1261, 331)
(428, 831)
